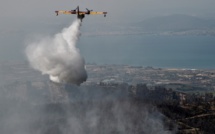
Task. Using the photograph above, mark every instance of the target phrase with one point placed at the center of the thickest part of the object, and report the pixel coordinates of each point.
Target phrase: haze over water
(150, 50)
(25, 21)
(140, 50)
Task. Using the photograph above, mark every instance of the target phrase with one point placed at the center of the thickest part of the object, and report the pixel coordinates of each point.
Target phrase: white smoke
(58, 56)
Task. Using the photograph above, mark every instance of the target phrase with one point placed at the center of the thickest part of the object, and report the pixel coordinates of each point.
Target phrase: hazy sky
(14, 13)
(21, 18)
(121, 9)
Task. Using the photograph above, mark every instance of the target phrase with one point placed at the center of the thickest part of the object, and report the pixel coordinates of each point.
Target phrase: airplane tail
(80, 15)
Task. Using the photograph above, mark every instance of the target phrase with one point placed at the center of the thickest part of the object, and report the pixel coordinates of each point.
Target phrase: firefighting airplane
(80, 14)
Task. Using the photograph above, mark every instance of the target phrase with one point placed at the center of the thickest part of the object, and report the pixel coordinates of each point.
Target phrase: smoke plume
(49, 108)
(58, 56)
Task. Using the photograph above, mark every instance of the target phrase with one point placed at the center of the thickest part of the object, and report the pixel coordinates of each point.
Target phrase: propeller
(74, 9)
(88, 9)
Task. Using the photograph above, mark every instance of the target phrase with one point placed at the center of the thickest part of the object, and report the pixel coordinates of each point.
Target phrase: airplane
(80, 14)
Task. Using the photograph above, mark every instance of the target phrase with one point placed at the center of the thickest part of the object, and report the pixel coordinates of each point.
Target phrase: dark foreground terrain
(114, 100)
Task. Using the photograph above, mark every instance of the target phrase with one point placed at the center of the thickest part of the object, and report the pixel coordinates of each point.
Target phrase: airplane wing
(94, 13)
(82, 12)
(65, 12)
(76, 11)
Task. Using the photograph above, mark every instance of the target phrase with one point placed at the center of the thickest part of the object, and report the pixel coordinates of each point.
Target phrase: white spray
(58, 56)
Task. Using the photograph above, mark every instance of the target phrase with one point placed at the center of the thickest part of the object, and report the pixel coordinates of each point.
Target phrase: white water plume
(58, 56)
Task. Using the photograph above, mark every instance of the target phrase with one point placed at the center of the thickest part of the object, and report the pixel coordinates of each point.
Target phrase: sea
(159, 51)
